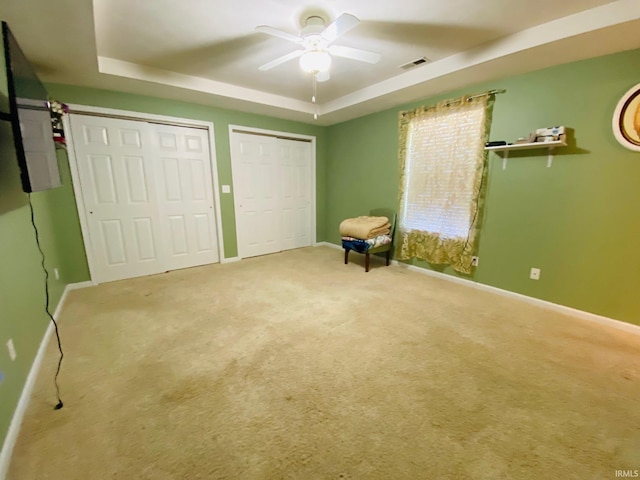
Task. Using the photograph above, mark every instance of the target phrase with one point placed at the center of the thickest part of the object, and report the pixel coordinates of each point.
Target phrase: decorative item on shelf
(530, 139)
(58, 110)
(495, 143)
(549, 134)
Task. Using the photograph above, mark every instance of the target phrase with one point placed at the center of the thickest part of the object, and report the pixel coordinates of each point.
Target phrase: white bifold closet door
(147, 195)
(272, 193)
(295, 192)
(185, 195)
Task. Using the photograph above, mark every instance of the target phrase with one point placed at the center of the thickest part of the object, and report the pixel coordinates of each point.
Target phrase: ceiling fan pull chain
(315, 89)
(313, 97)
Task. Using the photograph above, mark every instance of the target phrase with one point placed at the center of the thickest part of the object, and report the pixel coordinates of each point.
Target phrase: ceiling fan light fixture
(315, 61)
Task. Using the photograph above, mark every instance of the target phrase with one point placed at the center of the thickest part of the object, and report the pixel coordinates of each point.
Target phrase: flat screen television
(30, 120)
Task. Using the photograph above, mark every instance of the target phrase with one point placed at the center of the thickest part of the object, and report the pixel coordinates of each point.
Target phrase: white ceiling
(208, 52)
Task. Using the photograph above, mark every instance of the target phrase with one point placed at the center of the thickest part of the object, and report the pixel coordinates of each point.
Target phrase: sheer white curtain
(442, 163)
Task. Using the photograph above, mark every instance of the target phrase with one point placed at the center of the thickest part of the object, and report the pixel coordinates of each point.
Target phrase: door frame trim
(287, 136)
(142, 117)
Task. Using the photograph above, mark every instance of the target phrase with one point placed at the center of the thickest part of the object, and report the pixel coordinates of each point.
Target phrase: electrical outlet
(534, 274)
(475, 261)
(56, 273)
(12, 350)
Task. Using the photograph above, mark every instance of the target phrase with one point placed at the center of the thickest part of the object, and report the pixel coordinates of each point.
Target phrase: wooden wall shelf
(550, 146)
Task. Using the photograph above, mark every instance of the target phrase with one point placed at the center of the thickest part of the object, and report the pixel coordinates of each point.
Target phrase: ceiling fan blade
(322, 76)
(281, 60)
(278, 33)
(339, 26)
(354, 54)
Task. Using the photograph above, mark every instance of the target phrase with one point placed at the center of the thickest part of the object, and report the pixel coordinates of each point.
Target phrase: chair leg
(346, 256)
(388, 257)
(366, 262)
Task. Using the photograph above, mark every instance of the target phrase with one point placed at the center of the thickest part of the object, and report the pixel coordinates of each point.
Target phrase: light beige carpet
(295, 366)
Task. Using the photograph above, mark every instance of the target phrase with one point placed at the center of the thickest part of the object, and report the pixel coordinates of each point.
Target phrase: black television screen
(31, 120)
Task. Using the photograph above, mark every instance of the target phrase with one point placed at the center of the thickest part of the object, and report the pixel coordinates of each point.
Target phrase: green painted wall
(578, 220)
(22, 281)
(221, 120)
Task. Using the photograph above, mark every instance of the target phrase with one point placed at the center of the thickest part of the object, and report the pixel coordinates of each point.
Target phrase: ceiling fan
(317, 45)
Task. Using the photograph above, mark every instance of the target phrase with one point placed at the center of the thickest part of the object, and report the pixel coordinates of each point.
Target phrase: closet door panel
(185, 195)
(256, 194)
(115, 165)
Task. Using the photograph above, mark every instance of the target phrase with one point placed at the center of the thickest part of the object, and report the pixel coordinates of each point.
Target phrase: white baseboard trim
(230, 260)
(327, 244)
(25, 396)
(574, 312)
(592, 317)
(75, 286)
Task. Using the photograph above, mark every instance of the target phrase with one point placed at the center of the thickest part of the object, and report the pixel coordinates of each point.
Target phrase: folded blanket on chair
(365, 227)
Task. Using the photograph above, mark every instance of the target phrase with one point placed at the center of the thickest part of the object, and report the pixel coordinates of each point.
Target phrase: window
(442, 162)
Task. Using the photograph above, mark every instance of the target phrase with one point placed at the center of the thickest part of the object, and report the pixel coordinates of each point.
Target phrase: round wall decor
(626, 119)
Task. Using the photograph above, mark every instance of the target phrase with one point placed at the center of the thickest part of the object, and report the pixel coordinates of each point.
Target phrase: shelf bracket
(550, 158)
(505, 157)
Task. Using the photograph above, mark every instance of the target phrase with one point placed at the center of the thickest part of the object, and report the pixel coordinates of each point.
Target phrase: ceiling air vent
(415, 63)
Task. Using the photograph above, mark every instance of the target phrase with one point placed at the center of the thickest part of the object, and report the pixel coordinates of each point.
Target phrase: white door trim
(140, 116)
(290, 136)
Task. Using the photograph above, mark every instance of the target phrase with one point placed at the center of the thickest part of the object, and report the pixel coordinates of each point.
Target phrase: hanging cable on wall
(59, 405)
